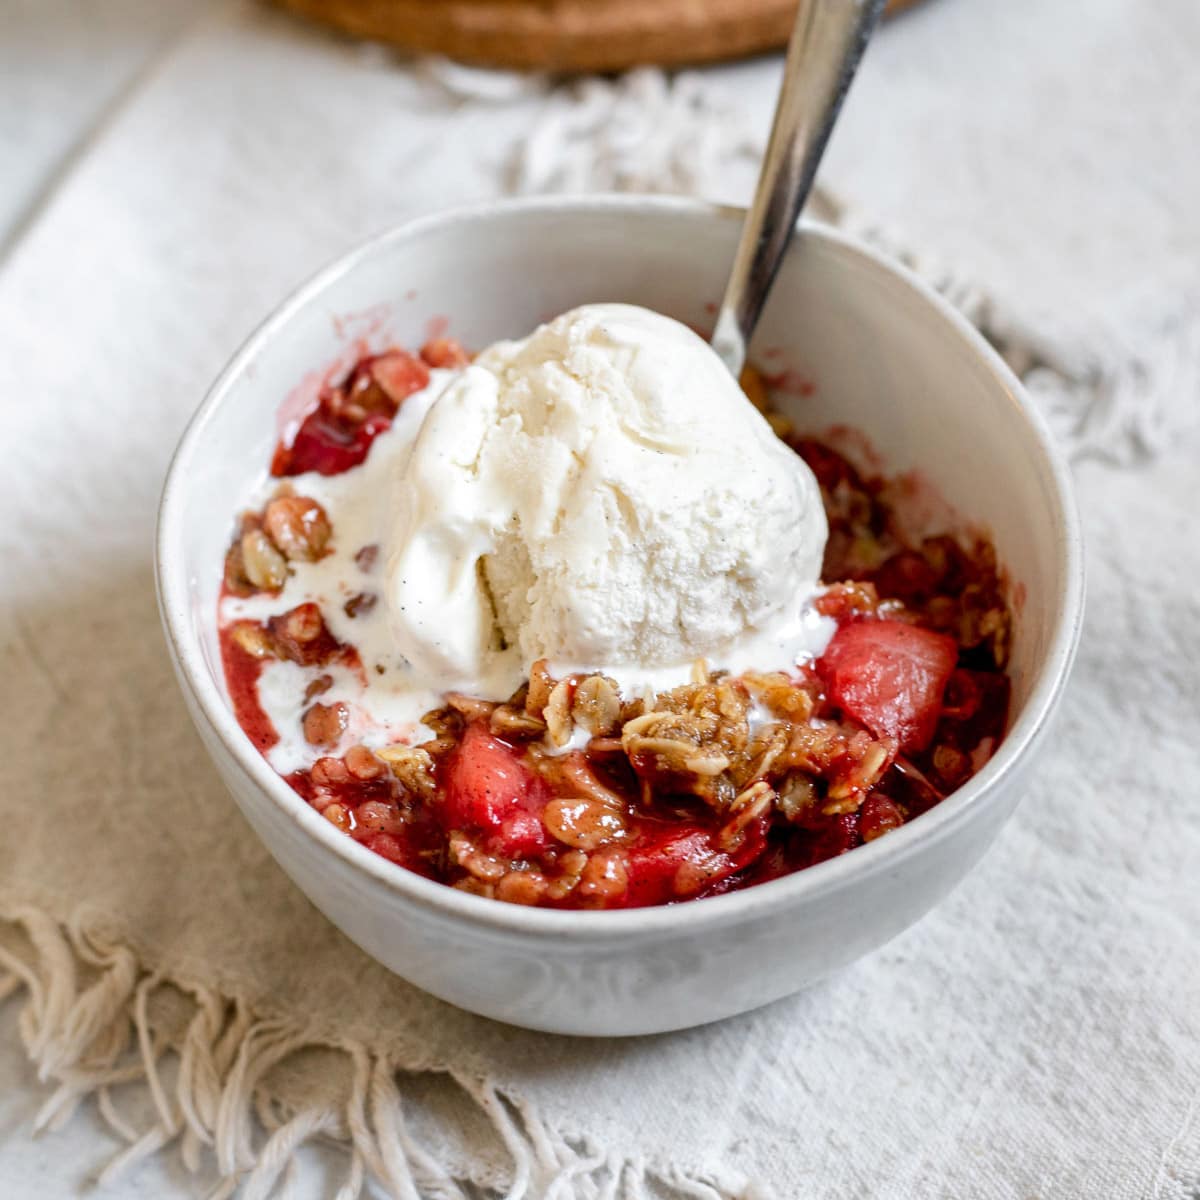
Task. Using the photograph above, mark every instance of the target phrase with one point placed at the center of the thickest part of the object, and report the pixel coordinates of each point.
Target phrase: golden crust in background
(567, 35)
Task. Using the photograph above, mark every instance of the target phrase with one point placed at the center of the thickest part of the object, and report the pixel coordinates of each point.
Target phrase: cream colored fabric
(1035, 1035)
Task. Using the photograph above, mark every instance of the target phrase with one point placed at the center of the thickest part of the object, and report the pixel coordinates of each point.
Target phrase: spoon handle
(826, 45)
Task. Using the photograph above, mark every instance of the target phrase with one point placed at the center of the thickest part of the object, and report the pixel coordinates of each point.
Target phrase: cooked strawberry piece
(890, 677)
(338, 433)
(521, 833)
(399, 374)
(401, 849)
(487, 787)
(675, 861)
(327, 446)
(658, 858)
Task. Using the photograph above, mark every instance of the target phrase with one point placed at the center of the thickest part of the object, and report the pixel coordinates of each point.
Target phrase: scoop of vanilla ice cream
(602, 494)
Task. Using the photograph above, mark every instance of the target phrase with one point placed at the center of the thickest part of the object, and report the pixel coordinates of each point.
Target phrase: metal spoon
(826, 46)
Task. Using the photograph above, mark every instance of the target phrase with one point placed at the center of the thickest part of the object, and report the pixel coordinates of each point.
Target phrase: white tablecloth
(1036, 160)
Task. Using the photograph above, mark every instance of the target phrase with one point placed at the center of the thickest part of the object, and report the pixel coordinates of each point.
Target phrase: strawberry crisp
(584, 789)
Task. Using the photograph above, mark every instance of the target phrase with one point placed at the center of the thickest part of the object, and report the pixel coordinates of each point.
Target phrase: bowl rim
(692, 917)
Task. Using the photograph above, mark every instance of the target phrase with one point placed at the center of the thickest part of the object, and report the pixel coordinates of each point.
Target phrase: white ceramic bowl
(887, 356)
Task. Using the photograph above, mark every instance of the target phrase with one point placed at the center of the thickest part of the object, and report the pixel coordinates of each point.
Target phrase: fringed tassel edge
(87, 1026)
